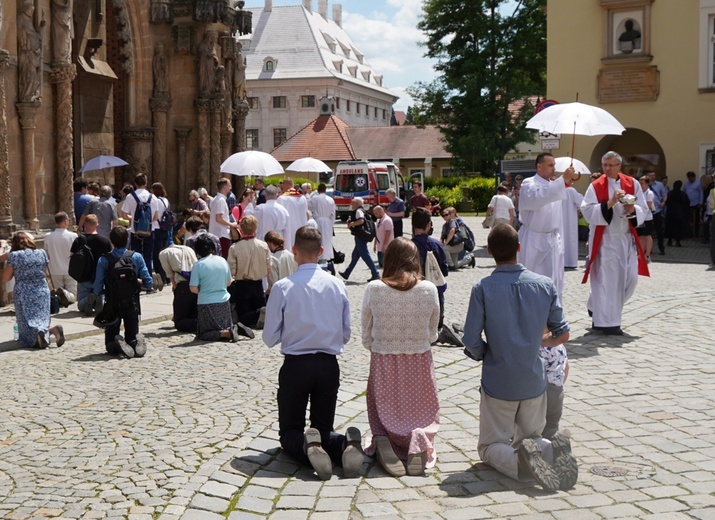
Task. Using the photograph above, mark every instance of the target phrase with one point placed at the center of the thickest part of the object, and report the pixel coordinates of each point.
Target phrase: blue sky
(386, 31)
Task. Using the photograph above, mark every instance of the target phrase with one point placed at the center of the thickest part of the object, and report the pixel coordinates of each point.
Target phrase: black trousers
(314, 378)
(397, 226)
(185, 311)
(659, 222)
(130, 316)
(247, 297)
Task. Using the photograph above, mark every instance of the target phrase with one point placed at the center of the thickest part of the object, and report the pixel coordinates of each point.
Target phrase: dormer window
(346, 49)
(378, 80)
(269, 64)
(353, 71)
(331, 42)
(338, 65)
(366, 75)
(360, 57)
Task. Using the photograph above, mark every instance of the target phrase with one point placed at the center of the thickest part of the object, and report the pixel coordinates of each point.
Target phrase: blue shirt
(426, 243)
(307, 313)
(396, 206)
(512, 307)
(211, 275)
(80, 202)
(659, 194)
(116, 254)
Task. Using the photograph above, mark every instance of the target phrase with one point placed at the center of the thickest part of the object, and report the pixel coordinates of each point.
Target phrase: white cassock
(324, 214)
(614, 271)
(297, 207)
(540, 233)
(569, 231)
(271, 217)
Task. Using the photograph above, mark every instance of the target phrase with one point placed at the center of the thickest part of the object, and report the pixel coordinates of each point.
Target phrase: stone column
(182, 133)
(61, 77)
(216, 110)
(160, 105)
(6, 225)
(203, 166)
(240, 111)
(28, 123)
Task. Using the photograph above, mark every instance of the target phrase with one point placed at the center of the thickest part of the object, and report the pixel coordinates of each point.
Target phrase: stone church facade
(160, 83)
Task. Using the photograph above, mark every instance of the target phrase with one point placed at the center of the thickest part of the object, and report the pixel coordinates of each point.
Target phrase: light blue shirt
(211, 275)
(307, 313)
(116, 254)
(694, 191)
(512, 307)
(659, 194)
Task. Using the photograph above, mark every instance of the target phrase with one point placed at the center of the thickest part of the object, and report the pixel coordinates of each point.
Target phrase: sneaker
(416, 463)
(89, 304)
(344, 274)
(387, 458)
(373, 278)
(565, 463)
(530, 460)
(62, 296)
(449, 337)
(352, 454)
(140, 347)
(317, 456)
(261, 318)
(158, 281)
(127, 350)
(244, 331)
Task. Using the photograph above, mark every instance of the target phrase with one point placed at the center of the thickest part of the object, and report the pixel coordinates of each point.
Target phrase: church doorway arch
(639, 149)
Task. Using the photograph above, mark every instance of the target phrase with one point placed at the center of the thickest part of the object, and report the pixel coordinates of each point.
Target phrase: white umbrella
(575, 118)
(562, 163)
(252, 163)
(101, 162)
(309, 164)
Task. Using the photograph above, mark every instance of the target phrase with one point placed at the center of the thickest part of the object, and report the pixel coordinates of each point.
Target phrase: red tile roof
(403, 142)
(401, 117)
(324, 138)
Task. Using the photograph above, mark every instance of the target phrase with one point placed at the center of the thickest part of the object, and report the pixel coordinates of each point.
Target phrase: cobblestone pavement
(190, 431)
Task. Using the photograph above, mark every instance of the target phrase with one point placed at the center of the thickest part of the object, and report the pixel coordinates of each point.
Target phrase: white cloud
(390, 44)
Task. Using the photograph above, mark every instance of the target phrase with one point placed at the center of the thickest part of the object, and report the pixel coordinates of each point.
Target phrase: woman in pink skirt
(400, 314)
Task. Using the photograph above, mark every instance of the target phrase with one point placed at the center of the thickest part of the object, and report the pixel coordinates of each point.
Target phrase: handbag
(54, 300)
(432, 271)
(489, 220)
(338, 257)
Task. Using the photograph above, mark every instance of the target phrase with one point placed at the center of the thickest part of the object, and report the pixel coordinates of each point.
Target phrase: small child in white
(556, 362)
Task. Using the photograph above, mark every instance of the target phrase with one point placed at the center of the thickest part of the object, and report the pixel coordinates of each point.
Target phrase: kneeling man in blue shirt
(308, 313)
(512, 412)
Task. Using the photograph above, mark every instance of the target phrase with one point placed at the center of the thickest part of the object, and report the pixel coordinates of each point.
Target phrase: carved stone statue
(239, 77)
(629, 40)
(61, 31)
(161, 11)
(160, 65)
(208, 63)
(29, 43)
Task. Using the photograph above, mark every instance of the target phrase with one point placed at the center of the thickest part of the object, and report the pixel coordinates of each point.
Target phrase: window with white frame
(251, 139)
(252, 102)
(706, 71)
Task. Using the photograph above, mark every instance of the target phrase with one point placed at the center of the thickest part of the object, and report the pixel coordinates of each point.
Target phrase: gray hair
(306, 185)
(612, 155)
(358, 200)
(391, 190)
(106, 191)
(202, 192)
(271, 192)
(194, 193)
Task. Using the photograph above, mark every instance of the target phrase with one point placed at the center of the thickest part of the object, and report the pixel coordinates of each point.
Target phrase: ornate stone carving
(28, 123)
(5, 196)
(29, 53)
(183, 38)
(125, 35)
(160, 67)
(61, 31)
(137, 150)
(213, 11)
(208, 63)
(161, 11)
(239, 77)
(63, 73)
(160, 103)
(62, 77)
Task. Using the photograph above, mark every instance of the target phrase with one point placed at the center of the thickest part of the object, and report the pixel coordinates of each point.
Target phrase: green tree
(490, 54)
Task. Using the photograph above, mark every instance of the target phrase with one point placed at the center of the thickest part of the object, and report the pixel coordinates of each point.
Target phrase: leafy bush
(445, 195)
(448, 191)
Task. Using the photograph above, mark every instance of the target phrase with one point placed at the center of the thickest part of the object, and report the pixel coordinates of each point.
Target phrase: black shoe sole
(565, 463)
(530, 459)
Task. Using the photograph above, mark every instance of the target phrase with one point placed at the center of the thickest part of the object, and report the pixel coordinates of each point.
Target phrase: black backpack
(121, 285)
(468, 237)
(366, 231)
(82, 264)
(168, 219)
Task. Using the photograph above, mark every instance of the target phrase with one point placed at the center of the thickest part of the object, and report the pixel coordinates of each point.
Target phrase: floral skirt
(403, 404)
(212, 319)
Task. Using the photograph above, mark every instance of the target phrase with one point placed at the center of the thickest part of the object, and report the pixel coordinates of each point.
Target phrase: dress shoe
(344, 274)
(244, 331)
(373, 278)
(352, 454)
(387, 458)
(317, 456)
(530, 459)
(611, 331)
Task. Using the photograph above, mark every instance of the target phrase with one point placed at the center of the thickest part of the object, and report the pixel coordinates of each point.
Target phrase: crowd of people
(251, 262)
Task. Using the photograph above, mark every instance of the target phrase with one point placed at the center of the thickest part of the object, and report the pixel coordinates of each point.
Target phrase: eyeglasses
(445, 214)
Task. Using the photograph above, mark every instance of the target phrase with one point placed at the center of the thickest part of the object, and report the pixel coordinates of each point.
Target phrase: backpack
(82, 262)
(142, 217)
(168, 219)
(468, 237)
(121, 284)
(366, 231)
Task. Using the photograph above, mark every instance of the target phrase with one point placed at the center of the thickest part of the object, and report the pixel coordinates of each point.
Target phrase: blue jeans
(360, 251)
(144, 247)
(83, 290)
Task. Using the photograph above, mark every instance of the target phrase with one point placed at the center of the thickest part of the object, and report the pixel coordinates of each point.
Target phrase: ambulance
(369, 180)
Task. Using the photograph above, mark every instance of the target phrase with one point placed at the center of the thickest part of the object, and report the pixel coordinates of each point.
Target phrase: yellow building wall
(681, 119)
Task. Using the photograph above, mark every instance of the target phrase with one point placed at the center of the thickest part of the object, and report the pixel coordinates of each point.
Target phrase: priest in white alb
(569, 231)
(540, 201)
(297, 206)
(323, 208)
(613, 206)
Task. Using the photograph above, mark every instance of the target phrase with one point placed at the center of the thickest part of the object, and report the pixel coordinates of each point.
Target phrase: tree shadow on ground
(481, 479)
(99, 356)
(588, 344)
